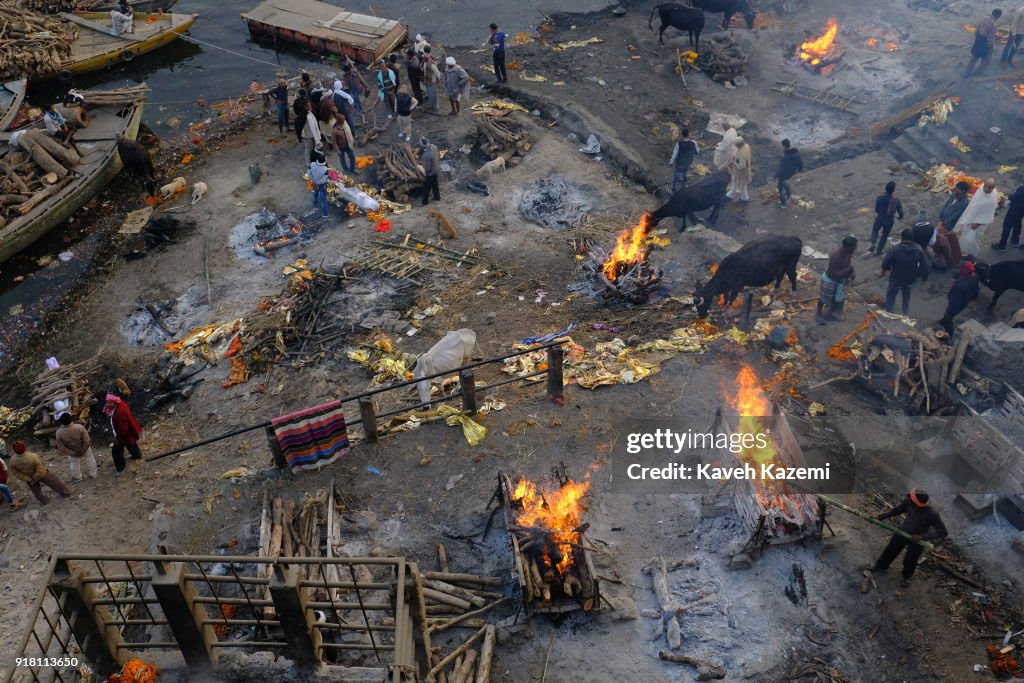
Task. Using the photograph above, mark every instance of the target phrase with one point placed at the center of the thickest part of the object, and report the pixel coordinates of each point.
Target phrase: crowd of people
(73, 441)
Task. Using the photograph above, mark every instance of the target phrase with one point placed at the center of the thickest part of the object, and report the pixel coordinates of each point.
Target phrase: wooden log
(276, 538)
(42, 157)
(442, 609)
(659, 580)
(466, 623)
(432, 674)
(535, 577)
(36, 199)
(483, 671)
(464, 674)
(958, 357)
(421, 610)
(66, 155)
(442, 558)
(473, 579)
(705, 670)
(446, 599)
(468, 615)
(455, 591)
(8, 199)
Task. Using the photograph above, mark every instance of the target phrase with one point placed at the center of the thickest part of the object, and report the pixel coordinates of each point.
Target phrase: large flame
(630, 248)
(753, 406)
(556, 508)
(814, 51)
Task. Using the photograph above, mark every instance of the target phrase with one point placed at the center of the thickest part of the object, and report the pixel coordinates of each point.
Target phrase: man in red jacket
(126, 431)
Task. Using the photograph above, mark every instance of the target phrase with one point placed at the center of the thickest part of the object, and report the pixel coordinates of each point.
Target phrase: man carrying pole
(917, 522)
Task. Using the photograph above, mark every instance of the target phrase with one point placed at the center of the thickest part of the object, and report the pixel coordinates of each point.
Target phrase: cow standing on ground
(708, 193)
(680, 18)
(728, 8)
(1000, 277)
(453, 351)
(755, 264)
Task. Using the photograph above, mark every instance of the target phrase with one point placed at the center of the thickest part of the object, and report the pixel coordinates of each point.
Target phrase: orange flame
(872, 42)
(814, 51)
(556, 508)
(891, 46)
(630, 248)
(1019, 89)
(753, 406)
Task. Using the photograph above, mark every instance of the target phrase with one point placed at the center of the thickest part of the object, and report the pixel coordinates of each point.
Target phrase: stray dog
(491, 167)
(198, 191)
(172, 188)
(445, 227)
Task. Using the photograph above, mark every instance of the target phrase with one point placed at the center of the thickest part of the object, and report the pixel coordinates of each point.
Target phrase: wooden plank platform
(825, 97)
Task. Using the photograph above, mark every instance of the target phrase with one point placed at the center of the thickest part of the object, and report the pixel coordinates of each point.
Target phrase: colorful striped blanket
(312, 438)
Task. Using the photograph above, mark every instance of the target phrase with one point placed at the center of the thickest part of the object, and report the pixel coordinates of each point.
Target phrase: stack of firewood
(32, 44)
(722, 57)
(460, 598)
(926, 369)
(498, 135)
(400, 171)
(33, 173)
(68, 383)
(57, 6)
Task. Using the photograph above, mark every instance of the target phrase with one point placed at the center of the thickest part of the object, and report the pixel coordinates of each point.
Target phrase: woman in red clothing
(126, 430)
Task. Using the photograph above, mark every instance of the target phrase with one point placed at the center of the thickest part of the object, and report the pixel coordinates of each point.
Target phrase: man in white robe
(976, 217)
(726, 149)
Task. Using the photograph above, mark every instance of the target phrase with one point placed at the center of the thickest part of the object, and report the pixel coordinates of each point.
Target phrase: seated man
(56, 126)
(121, 19)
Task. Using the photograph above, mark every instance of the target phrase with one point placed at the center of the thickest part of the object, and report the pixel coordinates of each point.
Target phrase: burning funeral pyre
(626, 274)
(821, 53)
(555, 571)
(771, 513)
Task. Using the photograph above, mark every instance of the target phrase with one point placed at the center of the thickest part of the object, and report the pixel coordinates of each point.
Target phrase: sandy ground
(924, 633)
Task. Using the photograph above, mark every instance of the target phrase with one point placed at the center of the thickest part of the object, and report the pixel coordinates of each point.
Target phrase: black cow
(680, 18)
(1000, 277)
(708, 193)
(136, 160)
(728, 8)
(755, 264)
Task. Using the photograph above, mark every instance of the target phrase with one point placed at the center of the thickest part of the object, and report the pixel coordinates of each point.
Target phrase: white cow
(453, 351)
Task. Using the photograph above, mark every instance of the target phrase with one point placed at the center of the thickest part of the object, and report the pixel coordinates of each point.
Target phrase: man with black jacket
(789, 165)
(682, 158)
(919, 519)
(904, 263)
(299, 107)
(1012, 221)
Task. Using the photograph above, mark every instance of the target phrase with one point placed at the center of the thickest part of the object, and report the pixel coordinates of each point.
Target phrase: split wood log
(276, 538)
(37, 198)
(468, 623)
(705, 670)
(432, 674)
(442, 557)
(421, 610)
(455, 591)
(483, 671)
(538, 582)
(444, 598)
(464, 674)
(7, 199)
(441, 609)
(924, 378)
(958, 357)
(472, 579)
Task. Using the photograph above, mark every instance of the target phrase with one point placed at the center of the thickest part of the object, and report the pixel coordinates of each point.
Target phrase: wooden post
(555, 378)
(748, 303)
(177, 596)
(369, 417)
(467, 387)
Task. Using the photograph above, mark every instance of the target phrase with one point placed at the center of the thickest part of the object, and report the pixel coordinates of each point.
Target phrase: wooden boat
(12, 94)
(139, 6)
(97, 144)
(322, 29)
(95, 48)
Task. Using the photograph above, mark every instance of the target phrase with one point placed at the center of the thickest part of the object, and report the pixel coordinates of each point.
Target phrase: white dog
(493, 166)
(198, 191)
(453, 351)
(172, 188)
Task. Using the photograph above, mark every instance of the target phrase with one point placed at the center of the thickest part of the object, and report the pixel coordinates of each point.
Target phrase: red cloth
(126, 428)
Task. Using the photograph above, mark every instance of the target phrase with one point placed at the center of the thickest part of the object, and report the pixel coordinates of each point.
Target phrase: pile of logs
(32, 44)
(33, 173)
(926, 368)
(455, 601)
(65, 383)
(399, 171)
(58, 6)
(499, 136)
(127, 95)
(722, 57)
